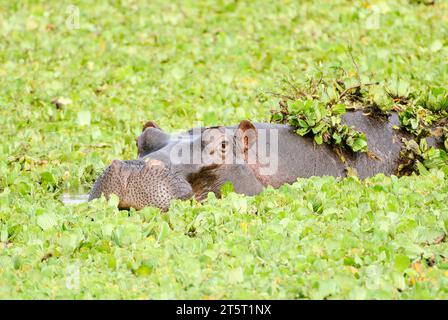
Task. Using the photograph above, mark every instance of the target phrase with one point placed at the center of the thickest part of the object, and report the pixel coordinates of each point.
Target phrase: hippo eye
(224, 145)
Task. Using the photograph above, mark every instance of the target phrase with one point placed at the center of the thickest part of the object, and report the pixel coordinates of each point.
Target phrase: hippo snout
(141, 183)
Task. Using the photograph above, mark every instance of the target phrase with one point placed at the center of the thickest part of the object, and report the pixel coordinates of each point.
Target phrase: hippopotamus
(249, 155)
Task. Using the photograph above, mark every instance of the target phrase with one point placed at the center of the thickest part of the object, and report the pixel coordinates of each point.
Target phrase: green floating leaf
(227, 188)
(164, 231)
(436, 45)
(113, 200)
(84, 117)
(145, 269)
(47, 178)
(46, 221)
(236, 275)
(401, 262)
(421, 168)
(4, 234)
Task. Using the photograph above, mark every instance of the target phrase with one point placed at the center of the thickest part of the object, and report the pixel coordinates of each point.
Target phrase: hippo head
(182, 166)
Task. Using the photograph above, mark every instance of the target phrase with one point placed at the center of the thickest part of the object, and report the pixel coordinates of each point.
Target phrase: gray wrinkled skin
(140, 183)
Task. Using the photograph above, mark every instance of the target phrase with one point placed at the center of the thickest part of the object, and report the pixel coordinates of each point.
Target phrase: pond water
(70, 198)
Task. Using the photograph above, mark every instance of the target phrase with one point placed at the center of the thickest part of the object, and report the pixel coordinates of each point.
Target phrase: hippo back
(383, 140)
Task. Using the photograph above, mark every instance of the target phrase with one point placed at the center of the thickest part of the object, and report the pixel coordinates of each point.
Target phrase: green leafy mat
(180, 63)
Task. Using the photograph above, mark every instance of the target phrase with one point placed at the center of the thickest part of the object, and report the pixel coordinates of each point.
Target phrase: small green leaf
(302, 123)
(236, 275)
(84, 117)
(436, 45)
(227, 188)
(113, 200)
(46, 221)
(421, 168)
(423, 145)
(338, 109)
(164, 231)
(145, 269)
(337, 138)
(359, 144)
(4, 234)
(402, 262)
(47, 178)
(302, 132)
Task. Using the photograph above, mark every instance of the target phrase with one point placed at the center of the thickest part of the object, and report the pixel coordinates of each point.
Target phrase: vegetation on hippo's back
(324, 123)
(419, 157)
(424, 114)
(316, 110)
(421, 110)
(73, 99)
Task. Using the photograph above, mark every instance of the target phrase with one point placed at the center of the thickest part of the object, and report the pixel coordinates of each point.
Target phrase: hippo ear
(246, 135)
(150, 124)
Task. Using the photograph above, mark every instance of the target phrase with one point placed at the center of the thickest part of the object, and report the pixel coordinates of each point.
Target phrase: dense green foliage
(73, 99)
(323, 122)
(316, 110)
(315, 113)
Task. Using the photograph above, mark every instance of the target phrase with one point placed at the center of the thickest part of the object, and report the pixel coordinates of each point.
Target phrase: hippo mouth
(141, 183)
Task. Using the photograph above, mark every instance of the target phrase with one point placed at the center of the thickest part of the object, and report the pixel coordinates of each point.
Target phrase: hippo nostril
(154, 163)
